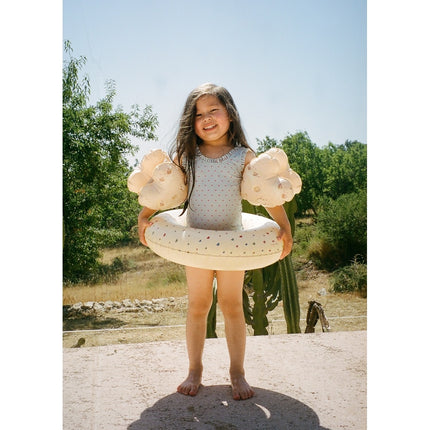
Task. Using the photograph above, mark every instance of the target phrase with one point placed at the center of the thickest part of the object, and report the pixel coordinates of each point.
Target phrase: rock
(322, 292)
(76, 306)
(146, 303)
(170, 302)
(79, 343)
(131, 309)
(108, 305)
(87, 305)
(127, 303)
(158, 301)
(98, 307)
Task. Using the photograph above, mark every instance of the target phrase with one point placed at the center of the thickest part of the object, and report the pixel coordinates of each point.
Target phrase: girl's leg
(229, 292)
(199, 303)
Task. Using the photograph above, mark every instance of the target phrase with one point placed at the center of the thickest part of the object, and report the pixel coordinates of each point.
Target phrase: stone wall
(126, 305)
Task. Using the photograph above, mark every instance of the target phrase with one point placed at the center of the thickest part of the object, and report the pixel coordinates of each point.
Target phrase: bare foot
(191, 385)
(240, 388)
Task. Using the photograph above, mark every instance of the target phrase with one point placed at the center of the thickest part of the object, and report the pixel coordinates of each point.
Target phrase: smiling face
(212, 121)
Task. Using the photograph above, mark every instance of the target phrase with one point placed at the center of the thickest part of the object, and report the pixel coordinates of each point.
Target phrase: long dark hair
(186, 142)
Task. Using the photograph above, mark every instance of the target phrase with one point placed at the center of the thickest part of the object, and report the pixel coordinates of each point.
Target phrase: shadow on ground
(91, 322)
(213, 408)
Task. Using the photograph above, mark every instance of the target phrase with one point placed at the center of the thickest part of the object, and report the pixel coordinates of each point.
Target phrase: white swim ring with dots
(255, 246)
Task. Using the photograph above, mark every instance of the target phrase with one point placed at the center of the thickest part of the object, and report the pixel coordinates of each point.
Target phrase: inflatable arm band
(269, 181)
(160, 183)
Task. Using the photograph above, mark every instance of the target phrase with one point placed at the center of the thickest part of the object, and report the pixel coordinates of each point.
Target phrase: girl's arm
(248, 157)
(143, 218)
(143, 223)
(278, 214)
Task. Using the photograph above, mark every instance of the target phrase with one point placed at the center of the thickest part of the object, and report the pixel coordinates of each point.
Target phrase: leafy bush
(351, 278)
(110, 272)
(303, 234)
(341, 231)
(99, 272)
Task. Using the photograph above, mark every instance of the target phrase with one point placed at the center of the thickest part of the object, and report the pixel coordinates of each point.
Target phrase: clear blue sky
(290, 65)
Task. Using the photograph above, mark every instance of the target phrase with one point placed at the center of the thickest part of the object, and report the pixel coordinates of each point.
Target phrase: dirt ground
(344, 312)
(301, 381)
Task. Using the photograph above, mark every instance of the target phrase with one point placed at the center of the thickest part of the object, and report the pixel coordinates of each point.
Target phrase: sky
(290, 65)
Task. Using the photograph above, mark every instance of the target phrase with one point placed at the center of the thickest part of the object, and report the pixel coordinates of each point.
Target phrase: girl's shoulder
(249, 155)
(244, 155)
(243, 150)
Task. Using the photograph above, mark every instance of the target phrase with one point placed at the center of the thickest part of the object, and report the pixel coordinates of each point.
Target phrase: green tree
(327, 172)
(345, 168)
(98, 210)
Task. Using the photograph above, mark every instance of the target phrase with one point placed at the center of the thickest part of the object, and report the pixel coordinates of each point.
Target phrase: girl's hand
(286, 237)
(279, 215)
(143, 223)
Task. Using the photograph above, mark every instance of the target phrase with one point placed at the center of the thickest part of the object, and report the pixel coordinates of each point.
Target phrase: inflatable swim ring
(253, 247)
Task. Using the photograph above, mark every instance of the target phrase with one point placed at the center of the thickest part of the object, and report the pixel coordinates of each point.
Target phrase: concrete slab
(302, 381)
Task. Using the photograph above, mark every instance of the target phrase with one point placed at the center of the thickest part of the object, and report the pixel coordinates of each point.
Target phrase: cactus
(211, 319)
(290, 295)
(259, 311)
(273, 283)
(289, 288)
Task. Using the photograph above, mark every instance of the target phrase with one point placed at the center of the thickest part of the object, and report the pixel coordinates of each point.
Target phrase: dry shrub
(323, 253)
(351, 278)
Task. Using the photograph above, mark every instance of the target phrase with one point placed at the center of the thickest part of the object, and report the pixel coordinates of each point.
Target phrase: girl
(212, 150)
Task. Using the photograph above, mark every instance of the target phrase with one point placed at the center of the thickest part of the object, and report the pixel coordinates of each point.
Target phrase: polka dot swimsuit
(215, 202)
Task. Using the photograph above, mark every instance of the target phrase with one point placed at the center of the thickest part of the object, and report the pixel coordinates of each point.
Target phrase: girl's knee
(198, 307)
(231, 307)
